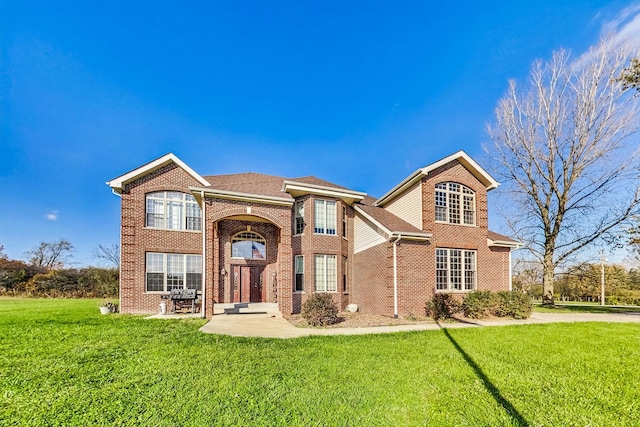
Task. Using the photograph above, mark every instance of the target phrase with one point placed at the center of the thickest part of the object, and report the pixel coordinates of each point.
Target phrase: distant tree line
(44, 273)
(582, 283)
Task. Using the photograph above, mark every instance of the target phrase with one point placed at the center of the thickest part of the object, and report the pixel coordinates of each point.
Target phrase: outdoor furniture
(183, 298)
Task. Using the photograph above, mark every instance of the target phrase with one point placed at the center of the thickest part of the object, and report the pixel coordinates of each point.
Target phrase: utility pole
(602, 260)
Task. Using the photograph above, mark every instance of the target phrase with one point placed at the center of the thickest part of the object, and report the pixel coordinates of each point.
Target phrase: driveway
(273, 325)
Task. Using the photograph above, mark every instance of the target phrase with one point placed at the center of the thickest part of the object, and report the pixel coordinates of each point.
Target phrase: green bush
(442, 306)
(480, 304)
(320, 310)
(483, 304)
(514, 304)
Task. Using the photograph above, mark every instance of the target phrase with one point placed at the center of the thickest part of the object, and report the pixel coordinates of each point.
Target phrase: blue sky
(357, 93)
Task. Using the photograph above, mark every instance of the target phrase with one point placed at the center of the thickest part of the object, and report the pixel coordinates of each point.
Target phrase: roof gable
(117, 184)
(463, 158)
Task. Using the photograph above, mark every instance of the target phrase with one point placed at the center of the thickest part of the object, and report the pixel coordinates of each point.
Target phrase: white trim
(504, 243)
(461, 156)
(204, 259)
(349, 196)
(245, 197)
(117, 184)
(411, 235)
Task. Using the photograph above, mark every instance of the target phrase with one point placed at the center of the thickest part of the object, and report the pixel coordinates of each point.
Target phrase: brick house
(251, 237)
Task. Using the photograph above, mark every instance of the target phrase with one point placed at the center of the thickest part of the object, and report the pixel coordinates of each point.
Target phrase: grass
(62, 363)
(585, 307)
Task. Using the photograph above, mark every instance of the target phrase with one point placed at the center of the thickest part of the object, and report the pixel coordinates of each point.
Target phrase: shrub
(480, 304)
(320, 310)
(442, 306)
(514, 304)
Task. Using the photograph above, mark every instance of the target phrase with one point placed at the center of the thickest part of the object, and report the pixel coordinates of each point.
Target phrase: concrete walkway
(273, 325)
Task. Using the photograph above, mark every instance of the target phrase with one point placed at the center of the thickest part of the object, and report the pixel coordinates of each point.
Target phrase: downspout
(204, 256)
(395, 276)
(119, 255)
(510, 273)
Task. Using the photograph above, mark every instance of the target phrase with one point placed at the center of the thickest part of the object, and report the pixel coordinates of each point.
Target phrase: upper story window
(299, 217)
(455, 204)
(325, 217)
(248, 245)
(172, 210)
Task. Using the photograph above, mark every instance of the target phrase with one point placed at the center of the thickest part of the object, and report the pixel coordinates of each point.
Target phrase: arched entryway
(248, 253)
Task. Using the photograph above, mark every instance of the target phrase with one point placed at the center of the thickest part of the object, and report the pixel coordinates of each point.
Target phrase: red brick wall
(372, 288)
(221, 227)
(492, 263)
(137, 240)
(309, 244)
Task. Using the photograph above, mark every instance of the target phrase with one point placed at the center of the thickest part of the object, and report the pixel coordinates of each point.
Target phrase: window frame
(298, 264)
(260, 239)
(325, 285)
(175, 214)
(178, 278)
(324, 217)
(450, 202)
(298, 217)
(456, 266)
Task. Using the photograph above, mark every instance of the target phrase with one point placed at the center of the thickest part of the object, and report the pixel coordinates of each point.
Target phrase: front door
(247, 283)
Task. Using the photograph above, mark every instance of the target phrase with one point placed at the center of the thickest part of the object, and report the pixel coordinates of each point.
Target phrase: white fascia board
(398, 189)
(411, 235)
(504, 243)
(245, 197)
(468, 163)
(373, 221)
(288, 186)
(117, 184)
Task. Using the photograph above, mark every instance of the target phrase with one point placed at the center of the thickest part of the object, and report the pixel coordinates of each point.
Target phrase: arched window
(455, 203)
(173, 210)
(248, 245)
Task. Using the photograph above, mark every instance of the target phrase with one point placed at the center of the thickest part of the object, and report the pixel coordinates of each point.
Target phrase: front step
(246, 308)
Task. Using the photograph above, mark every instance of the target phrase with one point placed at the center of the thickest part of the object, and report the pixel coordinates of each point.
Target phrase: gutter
(395, 276)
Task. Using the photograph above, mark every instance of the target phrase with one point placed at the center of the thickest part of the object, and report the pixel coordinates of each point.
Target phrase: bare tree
(107, 254)
(50, 255)
(2, 254)
(566, 156)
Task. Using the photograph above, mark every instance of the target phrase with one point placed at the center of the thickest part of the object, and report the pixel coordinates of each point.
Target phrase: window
(455, 203)
(173, 271)
(325, 217)
(455, 270)
(172, 210)
(248, 245)
(325, 273)
(299, 217)
(344, 274)
(299, 267)
(344, 222)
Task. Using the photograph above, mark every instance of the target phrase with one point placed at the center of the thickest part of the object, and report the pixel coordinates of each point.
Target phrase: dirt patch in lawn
(360, 320)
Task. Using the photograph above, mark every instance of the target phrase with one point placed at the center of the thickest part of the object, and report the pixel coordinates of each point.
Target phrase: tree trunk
(547, 281)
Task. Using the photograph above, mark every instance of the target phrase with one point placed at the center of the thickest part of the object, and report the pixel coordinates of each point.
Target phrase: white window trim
(183, 217)
(326, 217)
(461, 208)
(165, 268)
(295, 218)
(260, 240)
(295, 273)
(326, 282)
(449, 289)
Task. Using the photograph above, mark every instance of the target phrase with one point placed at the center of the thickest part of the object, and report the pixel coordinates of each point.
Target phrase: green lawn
(585, 307)
(62, 363)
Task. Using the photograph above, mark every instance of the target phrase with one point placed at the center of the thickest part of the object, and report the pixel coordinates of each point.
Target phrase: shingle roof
(261, 184)
(500, 237)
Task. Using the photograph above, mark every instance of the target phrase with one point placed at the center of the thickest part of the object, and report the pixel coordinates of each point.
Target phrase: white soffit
(296, 189)
(117, 184)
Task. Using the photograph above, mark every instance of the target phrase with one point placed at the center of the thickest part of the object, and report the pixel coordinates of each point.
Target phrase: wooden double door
(247, 283)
